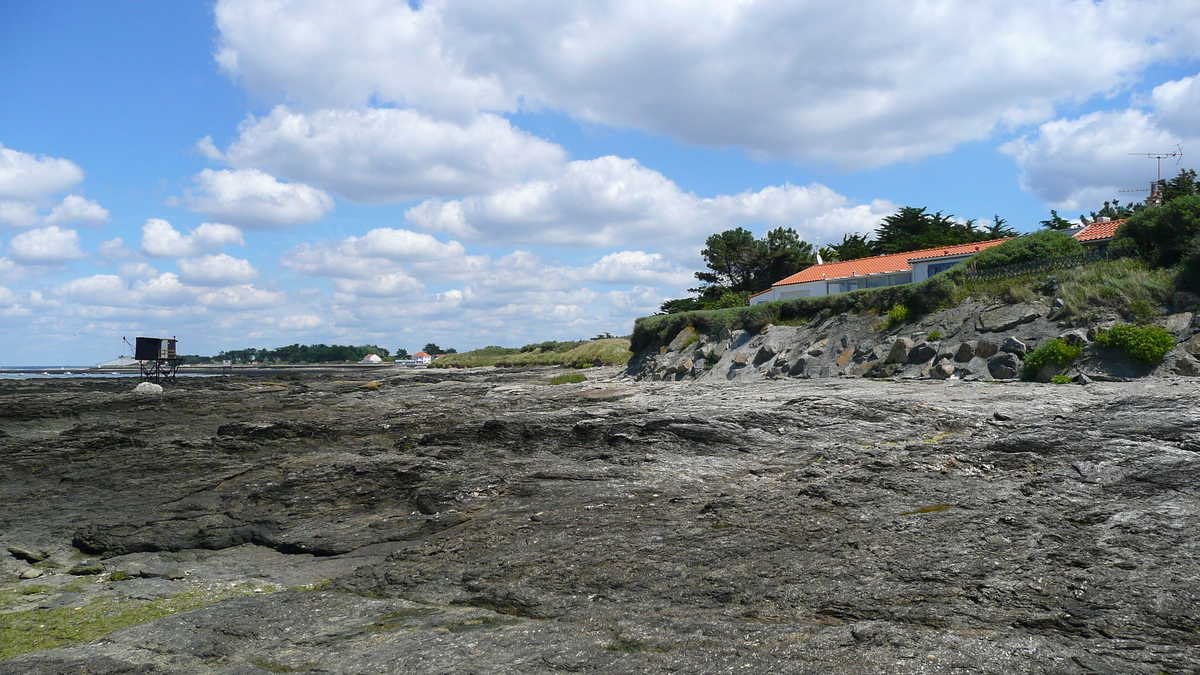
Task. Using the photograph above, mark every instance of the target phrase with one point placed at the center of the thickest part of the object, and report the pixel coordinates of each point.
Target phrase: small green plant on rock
(1142, 344)
(934, 335)
(1060, 379)
(1056, 352)
(711, 359)
(895, 316)
(569, 378)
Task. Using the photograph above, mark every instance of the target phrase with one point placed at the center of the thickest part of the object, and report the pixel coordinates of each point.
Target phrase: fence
(1064, 262)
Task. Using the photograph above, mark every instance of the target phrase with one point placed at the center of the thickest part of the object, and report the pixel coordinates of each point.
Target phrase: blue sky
(258, 173)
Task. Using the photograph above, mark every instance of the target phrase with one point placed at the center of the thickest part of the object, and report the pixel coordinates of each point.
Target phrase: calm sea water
(51, 372)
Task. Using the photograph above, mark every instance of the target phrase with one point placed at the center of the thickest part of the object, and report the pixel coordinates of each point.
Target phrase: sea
(51, 372)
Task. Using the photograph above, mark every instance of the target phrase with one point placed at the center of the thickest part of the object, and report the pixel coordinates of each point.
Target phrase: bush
(1169, 230)
(1142, 344)
(895, 316)
(934, 335)
(1189, 272)
(1057, 352)
(1041, 245)
(1060, 379)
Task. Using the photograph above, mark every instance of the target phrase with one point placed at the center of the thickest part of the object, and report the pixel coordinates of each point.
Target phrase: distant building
(1099, 233)
(372, 358)
(422, 358)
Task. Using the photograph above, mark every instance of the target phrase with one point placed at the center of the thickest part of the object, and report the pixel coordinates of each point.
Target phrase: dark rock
(27, 555)
(1004, 366)
(985, 349)
(86, 568)
(965, 352)
(922, 353)
(942, 370)
(900, 350)
(1008, 317)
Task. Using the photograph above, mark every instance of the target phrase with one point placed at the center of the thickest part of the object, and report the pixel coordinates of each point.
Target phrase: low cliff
(973, 341)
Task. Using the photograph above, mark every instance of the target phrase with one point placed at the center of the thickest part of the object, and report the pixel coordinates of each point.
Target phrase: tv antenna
(1160, 156)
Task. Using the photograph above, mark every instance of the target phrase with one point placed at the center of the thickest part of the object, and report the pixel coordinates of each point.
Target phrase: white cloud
(161, 240)
(367, 256)
(1080, 163)
(19, 214)
(216, 270)
(25, 177)
(76, 209)
(46, 246)
(115, 249)
(239, 298)
(384, 155)
(610, 201)
(859, 85)
(1175, 104)
(110, 290)
(300, 322)
(252, 199)
(396, 284)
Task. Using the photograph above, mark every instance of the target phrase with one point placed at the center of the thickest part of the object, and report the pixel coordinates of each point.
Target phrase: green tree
(1056, 222)
(913, 229)
(1183, 185)
(732, 258)
(781, 254)
(402, 354)
(433, 349)
(999, 229)
(1168, 230)
(852, 247)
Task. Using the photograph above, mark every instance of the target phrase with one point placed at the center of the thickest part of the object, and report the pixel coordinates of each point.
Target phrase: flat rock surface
(486, 522)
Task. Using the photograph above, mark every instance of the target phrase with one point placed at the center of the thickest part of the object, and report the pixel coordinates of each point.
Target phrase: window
(935, 268)
(897, 279)
(877, 281)
(794, 294)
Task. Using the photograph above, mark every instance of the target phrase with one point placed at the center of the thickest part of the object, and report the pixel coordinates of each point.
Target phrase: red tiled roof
(1099, 231)
(760, 293)
(421, 354)
(881, 264)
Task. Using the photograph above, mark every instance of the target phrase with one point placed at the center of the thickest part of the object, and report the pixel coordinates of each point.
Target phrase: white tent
(371, 358)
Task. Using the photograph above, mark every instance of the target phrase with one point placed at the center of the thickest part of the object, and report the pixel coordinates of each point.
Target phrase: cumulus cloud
(160, 239)
(860, 85)
(46, 246)
(300, 322)
(19, 214)
(395, 284)
(26, 177)
(240, 298)
(1078, 163)
(110, 290)
(385, 155)
(252, 199)
(76, 209)
(611, 200)
(216, 270)
(363, 257)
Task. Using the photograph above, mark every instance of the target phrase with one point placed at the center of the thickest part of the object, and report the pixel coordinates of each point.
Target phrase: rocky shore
(974, 341)
(484, 521)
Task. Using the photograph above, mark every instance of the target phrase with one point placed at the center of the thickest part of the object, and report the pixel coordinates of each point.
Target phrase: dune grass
(581, 354)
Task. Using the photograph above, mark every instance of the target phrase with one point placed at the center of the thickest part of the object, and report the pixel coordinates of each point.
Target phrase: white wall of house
(921, 268)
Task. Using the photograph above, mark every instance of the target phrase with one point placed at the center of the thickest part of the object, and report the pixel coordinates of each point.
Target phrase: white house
(372, 358)
(877, 271)
(422, 358)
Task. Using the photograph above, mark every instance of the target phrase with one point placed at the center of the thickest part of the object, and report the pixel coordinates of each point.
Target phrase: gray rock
(27, 555)
(942, 370)
(923, 352)
(985, 349)
(899, 351)
(87, 568)
(31, 573)
(1186, 365)
(1012, 345)
(764, 354)
(1058, 304)
(1076, 336)
(798, 366)
(818, 348)
(1008, 317)
(1004, 366)
(1179, 324)
(148, 388)
(965, 352)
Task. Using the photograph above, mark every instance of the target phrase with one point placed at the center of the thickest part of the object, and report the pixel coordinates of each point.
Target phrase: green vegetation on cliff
(581, 354)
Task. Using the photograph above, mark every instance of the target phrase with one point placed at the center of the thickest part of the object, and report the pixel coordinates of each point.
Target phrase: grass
(569, 378)
(607, 352)
(1127, 286)
(35, 629)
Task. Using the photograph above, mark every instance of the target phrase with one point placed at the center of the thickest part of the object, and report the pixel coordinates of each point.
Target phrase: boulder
(148, 388)
(965, 352)
(1008, 317)
(986, 349)
(1193, 345)
(764, 354)
(31, 573)
(1077, 337)
(740, 360)
(1012, 345)
(923, 352)
(899, 351)
(844, 357)
(942, 370)
(818, 348)
(681, 337)
(720, 349)
(1186, 365)
(798, 366)
(1179, 324)
(1004, 366)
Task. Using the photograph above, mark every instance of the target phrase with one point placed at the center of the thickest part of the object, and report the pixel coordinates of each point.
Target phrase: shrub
(1142, 344)
(569, 378)
(1189, 272)
(710, 359)
(1168, 230)
(1055, 352)
(895, 316)
(1060, 379)
(934, 335)
(1040, 245)
(1127, 285)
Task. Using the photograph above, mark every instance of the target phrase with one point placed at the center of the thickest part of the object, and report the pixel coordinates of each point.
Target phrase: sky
(258, 173)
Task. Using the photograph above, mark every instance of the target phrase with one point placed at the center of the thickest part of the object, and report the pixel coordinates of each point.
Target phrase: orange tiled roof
(421, 354)
(882, 264)
(1099, 231)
